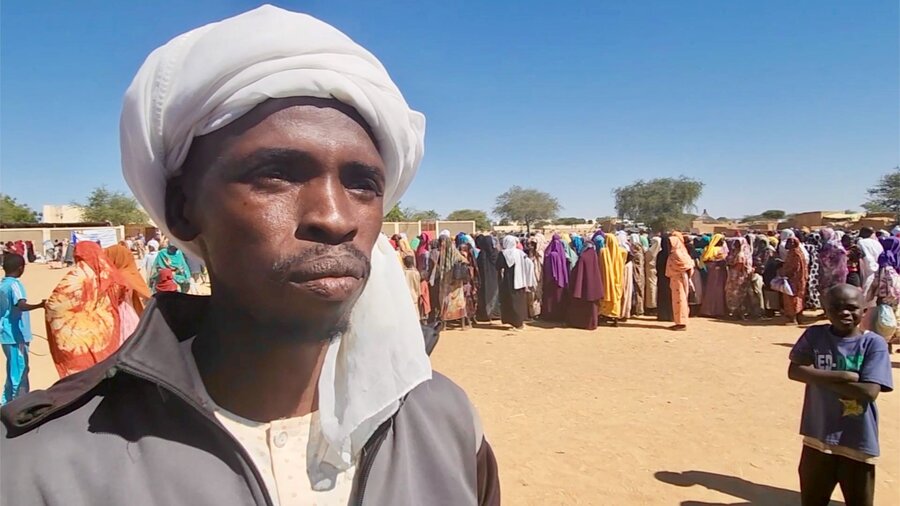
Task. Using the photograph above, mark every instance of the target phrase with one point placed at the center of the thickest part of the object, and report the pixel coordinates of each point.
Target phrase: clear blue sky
(790, 105)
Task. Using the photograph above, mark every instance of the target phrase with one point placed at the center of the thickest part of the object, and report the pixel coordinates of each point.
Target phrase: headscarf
(713, 250)
(679, 261)
(762, 252)
(636, 241)
(444, 233)
(166, 281)
(174, 261)
(587, 283)
(82, 312)
(895, 232)
(599, 240)
(515, 258)
(655, 246)
(488, 288)
(405, 248)
(612, 260)
(622, 237)
(123, 260)
(795, 266)
(201, 81)
(556, 266)
(424, 242)
(891, 255)
(830, 238)
(577, 244)
(832, 260)
(740, 255)
(782, 247)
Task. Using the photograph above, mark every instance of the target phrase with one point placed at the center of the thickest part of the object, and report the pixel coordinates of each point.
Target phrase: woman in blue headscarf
(599, 240)
(577, 244)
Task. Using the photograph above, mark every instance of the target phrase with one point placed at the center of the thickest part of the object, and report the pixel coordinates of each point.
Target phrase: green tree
(395, 214)
(114, 207)
(569, 221)
(482, 222)
(773, 214)
(413, 214)
(660, 204)
(11, 211)
(884, 197)
(526, 205)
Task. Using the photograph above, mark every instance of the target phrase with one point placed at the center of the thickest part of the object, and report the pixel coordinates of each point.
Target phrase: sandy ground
(629, 416)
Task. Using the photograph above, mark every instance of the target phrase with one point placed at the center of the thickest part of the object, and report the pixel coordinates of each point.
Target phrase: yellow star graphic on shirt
(851, 407)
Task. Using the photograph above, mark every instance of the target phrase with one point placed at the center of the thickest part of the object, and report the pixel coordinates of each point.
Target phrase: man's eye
(272, 173)
(368, 185)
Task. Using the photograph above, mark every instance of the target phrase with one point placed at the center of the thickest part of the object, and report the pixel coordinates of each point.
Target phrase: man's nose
(326, 212)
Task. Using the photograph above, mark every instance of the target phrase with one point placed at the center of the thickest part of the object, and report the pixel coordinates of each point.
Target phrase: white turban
(204, 79)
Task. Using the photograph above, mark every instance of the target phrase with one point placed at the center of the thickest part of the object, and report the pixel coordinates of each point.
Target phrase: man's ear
(178, 211)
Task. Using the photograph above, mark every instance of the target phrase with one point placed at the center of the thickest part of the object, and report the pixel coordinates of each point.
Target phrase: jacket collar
(151, 353)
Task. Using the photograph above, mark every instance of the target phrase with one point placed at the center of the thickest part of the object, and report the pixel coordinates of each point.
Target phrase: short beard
(307, 332)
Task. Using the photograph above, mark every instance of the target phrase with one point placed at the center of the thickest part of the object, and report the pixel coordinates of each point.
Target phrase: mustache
(322, 261)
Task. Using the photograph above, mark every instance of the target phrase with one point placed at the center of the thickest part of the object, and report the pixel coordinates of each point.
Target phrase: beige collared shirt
(278, 449)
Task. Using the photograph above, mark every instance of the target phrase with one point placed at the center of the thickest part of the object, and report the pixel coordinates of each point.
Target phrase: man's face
(844, 307)
(286, 203)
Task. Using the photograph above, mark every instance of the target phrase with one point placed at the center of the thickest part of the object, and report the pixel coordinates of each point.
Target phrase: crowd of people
(96, 305)
(607, 278)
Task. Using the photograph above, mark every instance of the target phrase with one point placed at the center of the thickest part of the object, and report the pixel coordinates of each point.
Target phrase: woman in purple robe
(586, 290)
(555, 282)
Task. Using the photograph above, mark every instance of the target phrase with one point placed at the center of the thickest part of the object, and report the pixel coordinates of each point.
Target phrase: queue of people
(605, 279)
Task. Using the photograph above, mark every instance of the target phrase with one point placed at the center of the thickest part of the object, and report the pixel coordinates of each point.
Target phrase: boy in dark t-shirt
(844, 369)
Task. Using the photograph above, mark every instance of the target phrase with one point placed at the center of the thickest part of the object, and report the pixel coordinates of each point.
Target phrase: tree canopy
(398, 213)
(482, 222)
(395, 214)
(884, 197)
(526, 205)
(12, 211)
(660, 203)
(773, 214)
(570, 221)
(413, 214)
(114, 207)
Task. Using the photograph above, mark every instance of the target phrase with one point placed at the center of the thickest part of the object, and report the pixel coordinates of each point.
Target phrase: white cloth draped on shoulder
(201, 81)
(524, 276)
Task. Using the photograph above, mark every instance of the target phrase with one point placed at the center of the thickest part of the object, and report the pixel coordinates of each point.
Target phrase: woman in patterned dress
(832, 261)
(82, 313)
(812, 245)
(740, 267)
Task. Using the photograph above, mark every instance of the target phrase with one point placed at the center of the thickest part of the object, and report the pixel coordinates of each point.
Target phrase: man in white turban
(270, 144)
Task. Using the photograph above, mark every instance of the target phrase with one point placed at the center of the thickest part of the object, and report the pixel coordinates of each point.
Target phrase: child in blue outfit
(844, 369)
(15, 327)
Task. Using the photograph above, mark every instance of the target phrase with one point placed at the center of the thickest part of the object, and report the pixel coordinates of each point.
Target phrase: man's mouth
(334, 278)
(327, 268)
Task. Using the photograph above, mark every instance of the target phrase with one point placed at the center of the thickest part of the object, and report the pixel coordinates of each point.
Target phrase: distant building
(62, 214)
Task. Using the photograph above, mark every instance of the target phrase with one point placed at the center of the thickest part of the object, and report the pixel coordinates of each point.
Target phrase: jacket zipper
(368, 459)
(241, 451)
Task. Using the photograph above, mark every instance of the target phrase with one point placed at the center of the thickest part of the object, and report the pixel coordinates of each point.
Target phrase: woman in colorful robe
(82, 312)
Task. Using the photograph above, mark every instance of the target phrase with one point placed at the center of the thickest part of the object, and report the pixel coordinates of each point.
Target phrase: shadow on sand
(754, 494)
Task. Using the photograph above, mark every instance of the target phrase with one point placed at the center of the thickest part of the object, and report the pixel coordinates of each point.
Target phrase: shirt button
(281, 439)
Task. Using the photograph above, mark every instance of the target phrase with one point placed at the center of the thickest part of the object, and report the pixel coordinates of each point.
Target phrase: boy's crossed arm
(844, 383)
